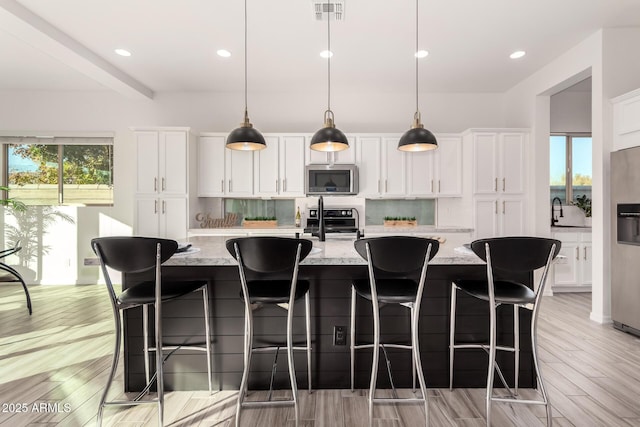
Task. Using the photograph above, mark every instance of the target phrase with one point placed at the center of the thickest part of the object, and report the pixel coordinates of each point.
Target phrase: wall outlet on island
(339, 335)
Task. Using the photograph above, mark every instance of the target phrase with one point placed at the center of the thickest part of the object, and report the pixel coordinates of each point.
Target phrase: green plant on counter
(399, 218)
(584, 203)
(261, 218)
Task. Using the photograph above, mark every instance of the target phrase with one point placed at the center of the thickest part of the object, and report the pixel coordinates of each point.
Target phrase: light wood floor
(60, 356)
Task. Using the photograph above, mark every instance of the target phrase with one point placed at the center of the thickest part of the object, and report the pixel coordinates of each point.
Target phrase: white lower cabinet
(161, 217)
(501, 216)
(572, 271)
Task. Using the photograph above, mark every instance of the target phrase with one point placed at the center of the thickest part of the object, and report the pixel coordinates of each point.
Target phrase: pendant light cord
(417, 59)
(329, 54)
(245, 59)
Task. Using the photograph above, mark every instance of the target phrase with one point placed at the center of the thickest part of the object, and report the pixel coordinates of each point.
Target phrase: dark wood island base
(330, 305)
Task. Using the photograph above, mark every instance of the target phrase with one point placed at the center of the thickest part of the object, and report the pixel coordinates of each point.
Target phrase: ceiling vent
(324, 9)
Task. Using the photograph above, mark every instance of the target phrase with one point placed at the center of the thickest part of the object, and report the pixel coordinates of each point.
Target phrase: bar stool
(134, 255)
(393, 264)
(516, 255)
(272, 264)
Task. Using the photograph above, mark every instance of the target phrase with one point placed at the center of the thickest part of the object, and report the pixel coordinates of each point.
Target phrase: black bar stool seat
(274, 291)
(391, 291)
(143, 293)
(506, 291)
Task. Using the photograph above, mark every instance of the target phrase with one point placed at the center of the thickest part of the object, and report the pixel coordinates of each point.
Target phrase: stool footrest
(256, 403)
(398, 399)
(130, 402)
(522, 401)
(484, 347)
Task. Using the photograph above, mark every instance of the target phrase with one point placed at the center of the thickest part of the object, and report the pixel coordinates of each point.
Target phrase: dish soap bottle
(298, 217)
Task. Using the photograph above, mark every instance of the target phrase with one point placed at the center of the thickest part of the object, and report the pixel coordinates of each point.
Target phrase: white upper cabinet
(239, 172)
(162, 162)
(437, 173)
(279, 168)
(211, 167)
(499, 164)
(382, 167)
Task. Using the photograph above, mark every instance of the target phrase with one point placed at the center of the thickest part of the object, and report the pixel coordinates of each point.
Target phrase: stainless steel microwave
(331, 179)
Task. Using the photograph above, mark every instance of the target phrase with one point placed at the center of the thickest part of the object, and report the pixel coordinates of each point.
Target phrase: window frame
(569, 159)
(60, 142)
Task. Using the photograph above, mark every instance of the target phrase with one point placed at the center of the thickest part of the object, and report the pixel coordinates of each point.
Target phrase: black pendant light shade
(329, 138)
(246, 137)
(417, 138)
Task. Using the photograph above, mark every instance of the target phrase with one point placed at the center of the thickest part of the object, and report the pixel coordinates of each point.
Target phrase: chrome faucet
(553, 202)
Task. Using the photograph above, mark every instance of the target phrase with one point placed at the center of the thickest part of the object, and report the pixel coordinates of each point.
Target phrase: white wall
(284, 112)
(571, 112)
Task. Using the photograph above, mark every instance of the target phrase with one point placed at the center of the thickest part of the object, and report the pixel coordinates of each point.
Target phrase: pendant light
(417, 138)
(246, 137)
(329, 138)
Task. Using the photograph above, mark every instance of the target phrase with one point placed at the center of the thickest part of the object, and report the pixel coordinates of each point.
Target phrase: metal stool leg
(413, 360)
(307, 308)
(207, 331)
(248, 345)
(452, 332)
(352, 331)
(415, 350)
(114, 366)
(516, 346)
(376, 355)
(492, 360)
(292, 369)
(536, 364)
(145, 341)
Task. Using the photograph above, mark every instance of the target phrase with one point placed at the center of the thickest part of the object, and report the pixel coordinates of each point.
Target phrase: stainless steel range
(338, 220)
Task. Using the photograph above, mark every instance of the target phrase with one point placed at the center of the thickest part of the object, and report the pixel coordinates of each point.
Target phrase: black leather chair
(9, 274)
(506, 254)
(397, 268)
(139, 254)
(268, 268)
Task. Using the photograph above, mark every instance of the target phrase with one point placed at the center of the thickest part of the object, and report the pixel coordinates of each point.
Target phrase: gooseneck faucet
(321, 231)
(553, 202)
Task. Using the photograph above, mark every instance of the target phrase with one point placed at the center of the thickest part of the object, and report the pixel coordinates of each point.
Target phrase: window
(570, 167)
(59, 171)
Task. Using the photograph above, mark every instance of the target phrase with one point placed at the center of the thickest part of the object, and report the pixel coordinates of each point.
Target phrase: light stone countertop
(211, 251)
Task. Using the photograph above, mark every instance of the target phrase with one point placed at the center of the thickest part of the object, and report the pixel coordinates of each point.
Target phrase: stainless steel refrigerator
(625, 234)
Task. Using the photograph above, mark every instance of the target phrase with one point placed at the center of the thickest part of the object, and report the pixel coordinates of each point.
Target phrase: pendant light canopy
(417, 138)
(329, 138)
(246, 137)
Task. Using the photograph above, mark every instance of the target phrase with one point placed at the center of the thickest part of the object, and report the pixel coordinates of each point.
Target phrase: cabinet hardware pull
(386, 187)
(495, 185)
(496, 202)
(155, 207)
(229, 186)
(578, 253)
(277, 185)
(379, 186)
(504, 184)
(164, 206)
(222, 185)
(284, 185)
(155, 184)
(432, 186)
(503, 203)
(163, 184)
(439, 186)
(585, 253)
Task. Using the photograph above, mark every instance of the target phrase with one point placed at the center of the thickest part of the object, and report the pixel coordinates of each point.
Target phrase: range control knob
(343, 213)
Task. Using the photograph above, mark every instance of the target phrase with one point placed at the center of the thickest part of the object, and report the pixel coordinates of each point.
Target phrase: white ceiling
(68, 44)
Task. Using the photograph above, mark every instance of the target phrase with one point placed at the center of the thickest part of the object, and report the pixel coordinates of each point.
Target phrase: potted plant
(397, 221)
(260, 222)
(584, 203)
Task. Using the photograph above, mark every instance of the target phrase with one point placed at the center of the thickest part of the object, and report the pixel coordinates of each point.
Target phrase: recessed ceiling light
(122, 52)
(421, 54)
(517, 54)
(326, 54)
(224, 53)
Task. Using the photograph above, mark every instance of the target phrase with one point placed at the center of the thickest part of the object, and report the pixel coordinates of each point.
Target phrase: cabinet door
(512, 162)
(147, 217)
(266, 176)
(485, 161)
(566, 269)
(239, 172)
(173, 163)
(393, 169)
(448, 166)
(147, 160)
(369, 163)
(173, 218)
(211, 168)
(486, 218)
(346, 157)
(511, 213)
(292, 165)
(420, 173)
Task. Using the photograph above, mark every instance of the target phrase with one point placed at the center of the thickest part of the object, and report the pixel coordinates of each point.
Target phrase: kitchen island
(329, 268)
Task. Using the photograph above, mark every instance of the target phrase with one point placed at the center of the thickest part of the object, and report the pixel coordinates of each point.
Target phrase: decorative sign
(206, 221)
